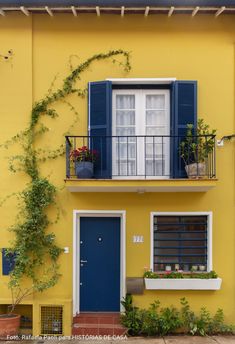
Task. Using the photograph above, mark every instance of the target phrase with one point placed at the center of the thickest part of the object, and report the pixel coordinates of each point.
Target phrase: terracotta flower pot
(196, 170)
(9, 325)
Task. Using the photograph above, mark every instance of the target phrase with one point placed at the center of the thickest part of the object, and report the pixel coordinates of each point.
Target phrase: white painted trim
(122, 11)
(74, 11)
(209, 215)
(171, 10)
(139, 10)
(209, 241)
(89, 108)
(24, 10)
(76, 252)
(97, 11)
(76, 258)
(221, 10)
(146, 12)
(151, 240)
(49, 11)
(142, 81)
(182, 284)
(196, 9)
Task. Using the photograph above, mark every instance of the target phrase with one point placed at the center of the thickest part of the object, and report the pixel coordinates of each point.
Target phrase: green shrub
(151, 321)
(170, 320)
(203, 323)
(160, 321)
(127, 303)
(133, 317)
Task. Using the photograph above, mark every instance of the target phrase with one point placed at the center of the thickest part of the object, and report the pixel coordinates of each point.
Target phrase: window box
(182, 284)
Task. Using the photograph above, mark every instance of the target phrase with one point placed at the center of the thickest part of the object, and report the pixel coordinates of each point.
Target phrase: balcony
(141, 163)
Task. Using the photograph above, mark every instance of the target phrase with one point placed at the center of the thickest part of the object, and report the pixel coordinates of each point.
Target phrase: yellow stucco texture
(200, 48)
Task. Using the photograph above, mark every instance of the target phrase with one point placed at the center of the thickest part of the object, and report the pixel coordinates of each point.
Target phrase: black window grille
(180, 243)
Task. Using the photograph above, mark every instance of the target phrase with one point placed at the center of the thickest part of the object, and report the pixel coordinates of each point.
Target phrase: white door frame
(77, 214)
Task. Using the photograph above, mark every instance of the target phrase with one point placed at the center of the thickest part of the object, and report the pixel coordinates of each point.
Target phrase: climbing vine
(32, 245)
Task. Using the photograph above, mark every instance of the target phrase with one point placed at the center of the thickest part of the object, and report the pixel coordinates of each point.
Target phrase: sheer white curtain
(125, 162)
(155, 110)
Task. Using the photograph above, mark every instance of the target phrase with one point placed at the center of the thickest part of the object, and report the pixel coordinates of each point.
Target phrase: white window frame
(209, 215)
(141, 123)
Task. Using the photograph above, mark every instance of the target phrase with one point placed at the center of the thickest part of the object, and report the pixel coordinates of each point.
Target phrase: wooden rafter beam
(221, 10)
(146, 12)
(196, 9)
(24, 10)
(49, 11)
(171, 10)
(122, 11)
(97, 11)
(73, 9)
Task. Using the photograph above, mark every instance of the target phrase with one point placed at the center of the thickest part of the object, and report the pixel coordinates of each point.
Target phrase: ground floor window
(181, 242)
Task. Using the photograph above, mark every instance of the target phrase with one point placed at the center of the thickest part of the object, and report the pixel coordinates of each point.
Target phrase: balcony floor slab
(140, 186)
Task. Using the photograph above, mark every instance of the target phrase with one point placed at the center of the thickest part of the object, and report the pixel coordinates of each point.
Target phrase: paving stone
(144, 340)
(140, 340)
(188, 340)
(132, 340)
(224, 339)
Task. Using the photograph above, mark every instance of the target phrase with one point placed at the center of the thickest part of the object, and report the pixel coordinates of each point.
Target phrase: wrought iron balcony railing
(142, 157)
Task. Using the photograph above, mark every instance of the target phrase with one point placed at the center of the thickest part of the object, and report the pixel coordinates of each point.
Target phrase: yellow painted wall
(200, 48)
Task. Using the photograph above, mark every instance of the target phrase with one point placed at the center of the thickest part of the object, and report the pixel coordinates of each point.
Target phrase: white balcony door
(141, 122)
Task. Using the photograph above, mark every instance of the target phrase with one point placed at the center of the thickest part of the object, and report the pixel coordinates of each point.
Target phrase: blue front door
(100, 264)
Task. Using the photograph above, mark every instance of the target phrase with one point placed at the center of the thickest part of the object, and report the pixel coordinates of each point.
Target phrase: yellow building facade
(163, 49)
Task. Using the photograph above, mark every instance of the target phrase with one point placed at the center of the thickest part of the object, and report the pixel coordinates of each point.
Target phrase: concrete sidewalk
(171, 340)
(137, 340)
(184, 340)
(168, 340)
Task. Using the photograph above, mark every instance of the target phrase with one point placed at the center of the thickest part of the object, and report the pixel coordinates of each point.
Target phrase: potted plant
(26, 278)
(10, 322)
(196, 148)
(84, 159)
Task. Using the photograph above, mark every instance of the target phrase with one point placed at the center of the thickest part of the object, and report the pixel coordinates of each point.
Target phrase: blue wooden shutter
(100, 126)
(7, 262)
(184, 111)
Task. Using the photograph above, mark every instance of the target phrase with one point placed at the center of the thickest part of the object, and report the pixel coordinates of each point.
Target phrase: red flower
(84, 154)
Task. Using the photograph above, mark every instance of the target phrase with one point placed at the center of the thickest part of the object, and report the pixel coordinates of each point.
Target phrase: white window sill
(182, 284)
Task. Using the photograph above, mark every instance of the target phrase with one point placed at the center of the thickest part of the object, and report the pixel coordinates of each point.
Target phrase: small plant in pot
(196, 148)
(26, 279)
(84, 159)
(10, 322)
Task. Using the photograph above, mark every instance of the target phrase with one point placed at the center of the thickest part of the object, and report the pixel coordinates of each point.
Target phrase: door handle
(83, 261)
